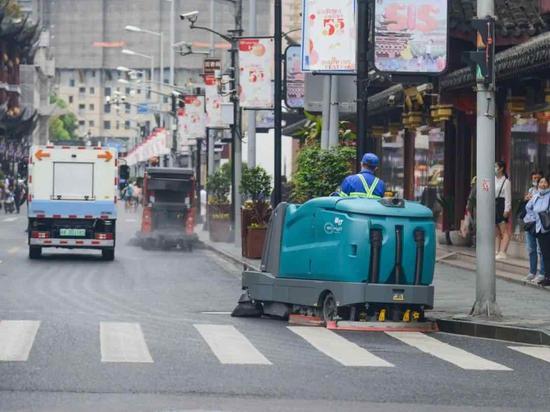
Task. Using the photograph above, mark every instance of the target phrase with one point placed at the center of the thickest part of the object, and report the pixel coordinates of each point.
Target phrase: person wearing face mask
(503, 210)
(540, 202)
(533, 248)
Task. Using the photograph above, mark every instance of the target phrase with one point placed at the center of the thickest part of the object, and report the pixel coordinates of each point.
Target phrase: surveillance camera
(426, 87)
(191, 14)
(391, 99)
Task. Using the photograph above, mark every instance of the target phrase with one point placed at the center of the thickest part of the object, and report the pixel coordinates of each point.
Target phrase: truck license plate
(398, 297)
(72, 232)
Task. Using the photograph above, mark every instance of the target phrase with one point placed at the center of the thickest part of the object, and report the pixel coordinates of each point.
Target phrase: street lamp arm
(223, 36)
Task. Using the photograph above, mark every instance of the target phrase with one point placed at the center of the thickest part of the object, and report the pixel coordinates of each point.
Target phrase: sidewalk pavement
(525, 310)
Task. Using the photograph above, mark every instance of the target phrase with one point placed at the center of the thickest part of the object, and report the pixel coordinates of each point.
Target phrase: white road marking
(338, 348)
(13, 250)
(216, 313)
(123, 342)
(446, 352)
(131, 220)
(10, 219)
(539, 352)
(16, 339)
(230, 346)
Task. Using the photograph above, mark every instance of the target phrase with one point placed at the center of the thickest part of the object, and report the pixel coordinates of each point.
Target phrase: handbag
(500, 203)
(545, 219)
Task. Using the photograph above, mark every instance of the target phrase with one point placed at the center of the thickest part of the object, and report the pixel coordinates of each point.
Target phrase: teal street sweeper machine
(345, 259)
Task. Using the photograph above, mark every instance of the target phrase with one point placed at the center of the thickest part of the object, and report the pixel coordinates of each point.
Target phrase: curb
(229, 256)
(492, 331)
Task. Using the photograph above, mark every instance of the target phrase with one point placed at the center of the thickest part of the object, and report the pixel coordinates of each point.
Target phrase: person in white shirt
(503, 209)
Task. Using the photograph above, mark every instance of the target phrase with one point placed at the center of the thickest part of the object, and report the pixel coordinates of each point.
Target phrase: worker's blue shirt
(353, 184)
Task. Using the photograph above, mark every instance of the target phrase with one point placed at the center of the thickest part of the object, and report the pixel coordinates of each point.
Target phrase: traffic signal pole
(486, 305)
(278, 109)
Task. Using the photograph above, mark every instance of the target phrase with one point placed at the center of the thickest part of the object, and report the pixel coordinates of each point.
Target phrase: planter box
(255, 239)
(219, 230)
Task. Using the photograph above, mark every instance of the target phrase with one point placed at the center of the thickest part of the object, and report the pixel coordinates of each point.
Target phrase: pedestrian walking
(531, 243)
(503, 209)
(537, 222)
(18, 193)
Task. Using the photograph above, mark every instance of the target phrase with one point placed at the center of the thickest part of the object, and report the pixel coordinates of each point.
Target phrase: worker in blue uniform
(364, 184)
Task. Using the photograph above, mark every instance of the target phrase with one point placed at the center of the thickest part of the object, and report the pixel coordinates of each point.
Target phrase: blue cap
(370, 159)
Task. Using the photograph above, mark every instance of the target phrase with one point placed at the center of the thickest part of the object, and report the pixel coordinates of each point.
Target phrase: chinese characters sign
(410, 36)
(329, 36)
(256, 73)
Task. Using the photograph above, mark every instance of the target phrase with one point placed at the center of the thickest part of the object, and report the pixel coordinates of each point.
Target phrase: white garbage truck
(72, 199)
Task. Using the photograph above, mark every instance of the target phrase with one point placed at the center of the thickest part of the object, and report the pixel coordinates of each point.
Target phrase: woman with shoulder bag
(529, 218)
(503, 209)
(539, 209)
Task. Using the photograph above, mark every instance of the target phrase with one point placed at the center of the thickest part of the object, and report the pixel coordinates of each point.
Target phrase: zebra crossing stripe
(338, 348)
(10, 219)
(123, 342)
(446, 352)
(230, 346)
(539, 352)
(16, 339)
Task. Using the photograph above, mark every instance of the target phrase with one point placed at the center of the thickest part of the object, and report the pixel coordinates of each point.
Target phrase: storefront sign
(410, 36)
(213, 103)
(256, 73)
(329, 36)
(210, 66)
(294, 78)
(192, 119)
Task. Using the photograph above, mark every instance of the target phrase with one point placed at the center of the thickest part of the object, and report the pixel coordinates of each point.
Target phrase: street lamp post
(136, 29)
(278, 84)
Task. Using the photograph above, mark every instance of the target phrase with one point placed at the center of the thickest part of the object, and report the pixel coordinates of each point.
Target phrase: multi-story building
(88, 38)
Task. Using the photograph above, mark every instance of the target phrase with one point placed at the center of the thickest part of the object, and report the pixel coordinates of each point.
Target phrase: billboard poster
(256, 73)
(294, 78)
(410, 36)
(329, 36)
(213, 103)
(192, 118)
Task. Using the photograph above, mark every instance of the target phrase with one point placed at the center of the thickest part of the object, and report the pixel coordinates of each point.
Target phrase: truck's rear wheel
(108, 254)
(35, 252)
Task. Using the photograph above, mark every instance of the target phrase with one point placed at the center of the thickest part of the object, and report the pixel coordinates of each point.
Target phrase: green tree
(62, 127)
(320, 172)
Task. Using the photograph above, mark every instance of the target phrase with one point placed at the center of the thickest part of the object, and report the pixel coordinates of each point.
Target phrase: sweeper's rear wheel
(329, 310)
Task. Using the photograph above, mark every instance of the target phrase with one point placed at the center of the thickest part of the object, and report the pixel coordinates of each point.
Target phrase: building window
(92, 107)
(81, 106)
(92, 90)
(71, 83)
(107, 108)
(71, 99)
(127, 124)
(81, 123)
(82, 90)
(93, 73)
(91, 123)
(107, 124)
(127, 108)
(107, 91)
(118, 124)
(128, 90)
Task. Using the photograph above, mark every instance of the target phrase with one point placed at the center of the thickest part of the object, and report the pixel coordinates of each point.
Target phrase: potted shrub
(219, 207)
(255, 214)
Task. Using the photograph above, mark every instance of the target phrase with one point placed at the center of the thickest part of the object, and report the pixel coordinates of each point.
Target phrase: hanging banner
(329, 34)
(410, 36)
(294, 78)
(192, 118)
(213, 103)
(256, 73)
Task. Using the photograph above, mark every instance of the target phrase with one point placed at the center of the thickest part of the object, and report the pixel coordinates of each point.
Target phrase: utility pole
(325, 125)
(236, 160)
(251, 113)
(172, 41)
(278, 84)
(486, 305)
(334, 113)
(364, 144)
